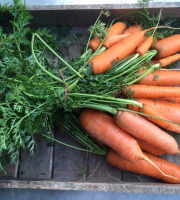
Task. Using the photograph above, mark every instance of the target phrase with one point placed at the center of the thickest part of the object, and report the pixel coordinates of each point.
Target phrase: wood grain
(69, 163)
(38, 165)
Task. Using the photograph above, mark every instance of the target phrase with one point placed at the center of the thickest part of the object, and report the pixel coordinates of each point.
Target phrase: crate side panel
(38, 165)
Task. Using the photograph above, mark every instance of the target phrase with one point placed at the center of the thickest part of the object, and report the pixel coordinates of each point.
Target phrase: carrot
(103, 61)
(145, 46)
(133, 28)
(149, 91)
(161, 78)
(149, 148)
(141, 128)
(115, 29)
(94, 43)
(114, 39)
(167, 46)
(147, 109)
(144, 168)
(168, 109)
(103, 128)
(171, 99)
(168, 60)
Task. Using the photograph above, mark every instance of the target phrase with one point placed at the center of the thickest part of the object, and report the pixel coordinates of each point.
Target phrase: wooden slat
(39, 165)
(100, 171)
(150, 188)
(69, 163)
(11, 171)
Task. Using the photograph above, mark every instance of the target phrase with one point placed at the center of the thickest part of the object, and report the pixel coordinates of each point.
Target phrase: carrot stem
(58, 56)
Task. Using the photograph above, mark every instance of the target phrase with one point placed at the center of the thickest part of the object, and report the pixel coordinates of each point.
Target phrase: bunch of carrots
(135, 135)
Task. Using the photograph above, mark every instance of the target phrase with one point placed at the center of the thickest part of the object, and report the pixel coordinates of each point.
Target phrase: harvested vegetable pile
(117, 81)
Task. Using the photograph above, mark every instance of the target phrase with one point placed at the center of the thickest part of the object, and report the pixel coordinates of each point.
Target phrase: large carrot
(171, 99)
(103, 128)
(167, 46)
(149, 91)
(149, 148)
(162, 122)
(144, 168)
(141, 128)
(161, 78)
(168, 109)
(103, 61)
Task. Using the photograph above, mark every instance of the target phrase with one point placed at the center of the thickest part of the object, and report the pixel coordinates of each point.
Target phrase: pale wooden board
(149, 188)
(38, 165)
(69, 164)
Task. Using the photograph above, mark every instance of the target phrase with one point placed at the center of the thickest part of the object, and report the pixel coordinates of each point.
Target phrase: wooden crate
(58, 167)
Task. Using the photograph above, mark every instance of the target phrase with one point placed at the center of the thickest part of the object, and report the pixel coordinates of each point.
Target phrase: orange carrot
(133, 28)
(103, 128)
(149, 148)
(144, 168)
(103, 61)
(168, 109)
(94, 43)
(145, 46)
(141, 128)
(114, 39)
(168, 60)
(161, 78)
(171, 99)
(147, 109)
(167, 46)
(115, 29)
(149, 91)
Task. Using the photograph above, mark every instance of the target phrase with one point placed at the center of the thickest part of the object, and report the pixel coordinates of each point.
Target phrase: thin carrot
(149, 148)
(94, 43)
(144, 168)
(114, 39)
(168, 60)
(167, 46)
(161, 78)
(103, 61)
(141, 128)
(162, 122)
(149, 91)
(168, 109)
(103, 128)
(145, 46)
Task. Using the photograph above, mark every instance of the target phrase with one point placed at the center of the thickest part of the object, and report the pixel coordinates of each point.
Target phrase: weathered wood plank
(38, 165)
(100, 171)
(69, 163)
(11, 171)
(149, 188)
(48, 16)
